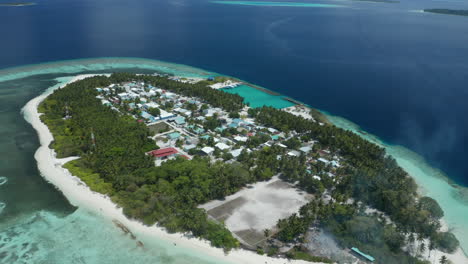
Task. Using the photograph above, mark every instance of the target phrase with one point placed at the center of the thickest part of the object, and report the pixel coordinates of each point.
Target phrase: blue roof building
(362, 254)
(145, 114)
(196, 129)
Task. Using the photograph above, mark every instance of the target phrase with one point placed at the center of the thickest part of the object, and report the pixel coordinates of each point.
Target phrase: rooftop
(159, 153)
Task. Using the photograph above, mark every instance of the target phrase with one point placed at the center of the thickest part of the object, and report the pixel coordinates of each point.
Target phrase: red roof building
(161, 153)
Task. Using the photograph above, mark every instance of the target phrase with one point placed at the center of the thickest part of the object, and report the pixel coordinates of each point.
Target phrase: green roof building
(275, 137)
(173, 135)
(180, 120)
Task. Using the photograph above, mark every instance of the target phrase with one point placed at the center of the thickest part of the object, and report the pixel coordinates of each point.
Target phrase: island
(448, 11)
(184, 154)
(17, 4)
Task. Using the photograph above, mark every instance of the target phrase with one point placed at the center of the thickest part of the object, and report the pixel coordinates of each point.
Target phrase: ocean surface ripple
(3, 180)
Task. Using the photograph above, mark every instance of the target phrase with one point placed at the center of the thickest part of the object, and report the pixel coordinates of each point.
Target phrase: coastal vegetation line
(170, 193)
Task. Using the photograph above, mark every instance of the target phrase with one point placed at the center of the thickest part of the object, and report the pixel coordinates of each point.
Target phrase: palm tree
(422, 248)
(431, 246)
(443, 260)
(411, 241)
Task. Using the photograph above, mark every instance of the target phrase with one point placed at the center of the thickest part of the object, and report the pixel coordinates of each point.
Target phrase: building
(235, 153)
(294, 153)
(173, 135)
(324, 160)
(163, 153)
(359, 253)
(180, 120)
(222, 146)
(240, 139)
(274, 137)
(305, 149)
(189, 147)
(207, 150)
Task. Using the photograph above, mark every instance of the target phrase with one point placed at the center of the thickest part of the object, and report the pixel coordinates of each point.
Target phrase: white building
(222, 146)
(208, 150)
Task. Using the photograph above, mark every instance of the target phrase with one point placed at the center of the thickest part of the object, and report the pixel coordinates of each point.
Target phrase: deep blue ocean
(398, 73)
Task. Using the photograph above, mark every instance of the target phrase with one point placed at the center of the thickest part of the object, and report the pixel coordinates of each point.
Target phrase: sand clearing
(250, 211)
(299, 111)
(80, 195)
(263, 205)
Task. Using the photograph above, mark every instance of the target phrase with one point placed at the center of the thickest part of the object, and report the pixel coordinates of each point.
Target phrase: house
(274, 137)
(180, 120)
(207, 150)
(165, 115)
(294, 153)
(222, 146)
(235, 153)
(173, 135)
(163, 153)
(189, 147)
(105, 102)
(240, 139)
(205, 137)
(305, 149)
(272, 130)
(281, 145)
(150, 105)
(324, 160)
(233, 125)
(146, 115)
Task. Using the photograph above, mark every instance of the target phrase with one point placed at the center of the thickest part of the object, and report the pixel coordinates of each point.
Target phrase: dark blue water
(400, 75)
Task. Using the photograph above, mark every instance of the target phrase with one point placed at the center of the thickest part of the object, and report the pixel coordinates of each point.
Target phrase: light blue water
(257, 98)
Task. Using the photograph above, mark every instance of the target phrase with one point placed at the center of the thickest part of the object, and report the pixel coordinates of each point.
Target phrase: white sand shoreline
(78, 194)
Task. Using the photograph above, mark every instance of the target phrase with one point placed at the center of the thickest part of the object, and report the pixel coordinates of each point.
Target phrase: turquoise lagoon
(257, 98)
(70, 235)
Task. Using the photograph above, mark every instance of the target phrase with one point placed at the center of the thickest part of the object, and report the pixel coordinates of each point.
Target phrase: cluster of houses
(179, 125)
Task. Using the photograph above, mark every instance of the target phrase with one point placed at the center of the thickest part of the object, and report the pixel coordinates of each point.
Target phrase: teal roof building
(173, 135)
(362, 254)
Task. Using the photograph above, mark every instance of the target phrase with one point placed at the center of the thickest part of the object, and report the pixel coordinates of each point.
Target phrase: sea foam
(2, 206)
(3, 180)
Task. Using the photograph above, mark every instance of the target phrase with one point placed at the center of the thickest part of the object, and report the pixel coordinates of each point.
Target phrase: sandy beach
(80, 195)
